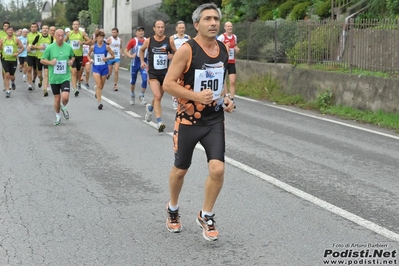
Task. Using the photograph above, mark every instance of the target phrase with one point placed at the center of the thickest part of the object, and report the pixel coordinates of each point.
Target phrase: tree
(73, 7)
(182, 9)
(95, 7)
(59, 14)
(85, 18)
(243, 9)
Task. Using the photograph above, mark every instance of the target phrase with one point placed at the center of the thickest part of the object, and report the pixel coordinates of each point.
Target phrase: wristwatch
(227, 95)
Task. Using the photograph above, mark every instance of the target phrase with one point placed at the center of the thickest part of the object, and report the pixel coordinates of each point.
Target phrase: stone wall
(361, 92)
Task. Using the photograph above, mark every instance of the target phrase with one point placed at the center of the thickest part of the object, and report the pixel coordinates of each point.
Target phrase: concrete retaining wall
(361, 92)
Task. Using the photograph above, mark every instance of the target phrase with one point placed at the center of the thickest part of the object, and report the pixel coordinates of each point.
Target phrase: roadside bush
(321, 38)
(268, 12)
(299, 11)
(260, 34)
(287, 37)
(323, 9)
(285, 8)
(325, 99)
(267, 16)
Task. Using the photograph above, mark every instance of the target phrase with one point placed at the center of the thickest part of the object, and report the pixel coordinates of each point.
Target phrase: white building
(47, 6)
(126, 14)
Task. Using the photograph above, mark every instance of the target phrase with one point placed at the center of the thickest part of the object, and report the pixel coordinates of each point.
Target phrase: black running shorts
(211, 137)
(32, 61)
(22, 60)
(39, 65)
(77, 63)
(231, 68)
(9, 66)
(159, 77)
(58, 88)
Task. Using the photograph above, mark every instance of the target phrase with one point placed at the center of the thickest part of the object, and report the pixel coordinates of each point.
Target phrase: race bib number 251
(61, 67)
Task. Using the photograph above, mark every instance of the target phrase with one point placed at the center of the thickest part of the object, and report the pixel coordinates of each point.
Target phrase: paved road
(93, 190)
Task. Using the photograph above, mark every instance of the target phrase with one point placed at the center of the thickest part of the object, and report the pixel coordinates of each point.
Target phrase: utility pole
(52, 9)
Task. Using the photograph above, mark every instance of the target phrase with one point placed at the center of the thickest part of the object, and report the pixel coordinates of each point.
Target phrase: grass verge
(265, 87)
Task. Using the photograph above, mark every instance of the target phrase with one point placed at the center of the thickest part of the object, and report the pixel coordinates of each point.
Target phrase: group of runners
(192, 70)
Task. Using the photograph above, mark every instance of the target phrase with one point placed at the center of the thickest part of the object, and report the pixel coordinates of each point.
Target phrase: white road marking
(321, 118)
(105, 99)
(319, 202)
(133, 114)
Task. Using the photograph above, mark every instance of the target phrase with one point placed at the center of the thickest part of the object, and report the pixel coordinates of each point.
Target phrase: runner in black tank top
(159, 52)
(196, 78)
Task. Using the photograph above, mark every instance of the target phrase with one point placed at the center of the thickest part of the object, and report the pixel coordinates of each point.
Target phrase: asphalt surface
(93, 190)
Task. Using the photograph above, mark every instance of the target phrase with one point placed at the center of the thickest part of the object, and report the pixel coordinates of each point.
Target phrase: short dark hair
(100, 33)
(116, 29)
(6, 22)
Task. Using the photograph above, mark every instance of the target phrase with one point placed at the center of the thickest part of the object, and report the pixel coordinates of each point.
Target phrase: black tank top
(204, 72)
(158, 56)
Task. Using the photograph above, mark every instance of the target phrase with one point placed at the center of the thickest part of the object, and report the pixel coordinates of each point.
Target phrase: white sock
(206, 213)
(58, 115)
(173, 208)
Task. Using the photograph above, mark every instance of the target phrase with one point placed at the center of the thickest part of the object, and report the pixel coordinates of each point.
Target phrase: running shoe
(8, 94)
(45, 93)
(24, 78)
(175, 103)
(13, 86)
(207, 224)
(76, 92)
(79, 86)
(142, 100)
(148, 114)
(161, 127)
(30, 88)
(173, 223)
(87, 86)
(40, 83)
(132, 100)
(65, 112)
(57, 121)
(115, 87)
(100, 106)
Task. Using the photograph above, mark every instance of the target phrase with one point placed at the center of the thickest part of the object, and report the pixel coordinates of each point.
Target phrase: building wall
(127, 15)
(123, 10)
